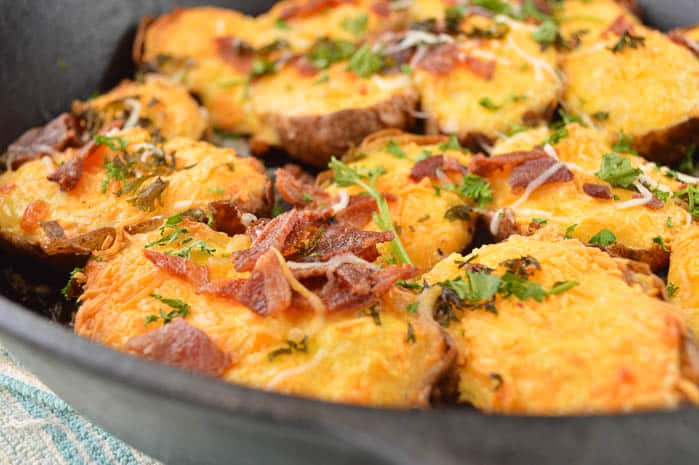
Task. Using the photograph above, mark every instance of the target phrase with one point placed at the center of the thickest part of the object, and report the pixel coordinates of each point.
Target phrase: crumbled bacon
(275, 234)
(441, 59)
(304, 66)
(381, 8)
(68, 175)
(60, 133)
(306, 8)
(428, 167)
(227, 217)
(298, 189)
(485, 166)
(181, 345)
(485, 69)
(267, 290)
(619, 26)
(339, 240)
(522, 175)
(180, 267)
(236, 52)
(359, 211)
(598, 191)
(36, 211)
(654, 204)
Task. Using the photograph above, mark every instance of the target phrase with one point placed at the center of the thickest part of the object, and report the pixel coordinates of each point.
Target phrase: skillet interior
(183, 418)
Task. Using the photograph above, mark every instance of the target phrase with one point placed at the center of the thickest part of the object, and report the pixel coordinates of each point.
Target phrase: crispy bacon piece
(306, 8)
(340, 240)
(485, 69)
(68, 175)
(275, 234)
(267, 290)
(227, 217)
(523, 174)
(35, 212)
(485, 166)
(60, 133)
(7, 188)
(441, 59)
(381, 8)
(181, 345)
(355, 286)
(180, 267)
(236, 52)
(358, 212)
(598, 191)
(304, 66)
(654, 204)
(298, 189)
(428, 167)
(618, 26)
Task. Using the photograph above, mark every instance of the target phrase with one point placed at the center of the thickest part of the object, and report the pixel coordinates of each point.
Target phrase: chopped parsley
(479, 287)
(668, 222)
(406, 69)
(216, 191)
(453, 17)
(600, 116)
(410, 338)
(394, 149)
(411, 308)
(308, 198)
(659, 240)
(411, 285)
(262, 67)
(603, 238)
(477, 189)
(374, 312)
(671, 289)
(345, 176)
(291, 347)
(458, 212)
(556, 136)
(180, 310)
(618, 171)
(366, 61)
(355, 25)
(628, 40)
(540, 221)
(192, 245)
(486, 102)
(499, 7)
(569, 231)
(546, 34)
(451, 144)
(624, 144)
(687, 165)
(72, 288)
(114, 143)
(324, 52)
(279, 23)
(424, 154)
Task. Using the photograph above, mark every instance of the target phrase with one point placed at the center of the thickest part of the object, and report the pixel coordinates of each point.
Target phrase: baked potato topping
(495, 205)
(525, 347)
(374, 354)
(85, 198)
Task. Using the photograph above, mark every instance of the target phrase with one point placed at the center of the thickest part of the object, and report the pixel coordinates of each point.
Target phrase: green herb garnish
(618, 171)
(355, 25)
(603, 238)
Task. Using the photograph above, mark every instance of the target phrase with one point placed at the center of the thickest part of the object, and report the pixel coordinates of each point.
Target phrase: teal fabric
(37, 427)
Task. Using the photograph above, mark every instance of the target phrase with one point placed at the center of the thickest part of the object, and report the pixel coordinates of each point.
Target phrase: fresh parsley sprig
(346, 177)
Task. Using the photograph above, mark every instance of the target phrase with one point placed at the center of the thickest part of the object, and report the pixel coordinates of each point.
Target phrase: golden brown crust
(314, 139)
(669, 145)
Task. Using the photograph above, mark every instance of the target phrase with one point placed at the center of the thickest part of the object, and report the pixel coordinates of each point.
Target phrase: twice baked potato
(490, 77)
(377, 353)
(83, 200)
(636, 81)
(582, 187)
(548, 326)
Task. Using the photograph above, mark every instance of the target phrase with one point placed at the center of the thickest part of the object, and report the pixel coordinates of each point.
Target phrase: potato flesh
(349, 359)
(601, 346)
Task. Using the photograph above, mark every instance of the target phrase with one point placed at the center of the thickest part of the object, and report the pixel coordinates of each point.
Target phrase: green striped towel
(38, 428)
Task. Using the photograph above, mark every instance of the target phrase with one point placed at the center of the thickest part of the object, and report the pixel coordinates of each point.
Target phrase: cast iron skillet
(55, 51)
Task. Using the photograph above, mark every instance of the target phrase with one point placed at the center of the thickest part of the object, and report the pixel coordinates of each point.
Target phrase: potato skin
(584, 351)
(314, 139)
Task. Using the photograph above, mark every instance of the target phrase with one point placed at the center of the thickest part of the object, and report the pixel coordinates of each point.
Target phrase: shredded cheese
(342, 203)
(646, 197)
(313, 300)
(135, 115)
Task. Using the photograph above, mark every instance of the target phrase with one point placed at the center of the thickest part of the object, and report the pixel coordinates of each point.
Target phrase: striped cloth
(38, 428)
